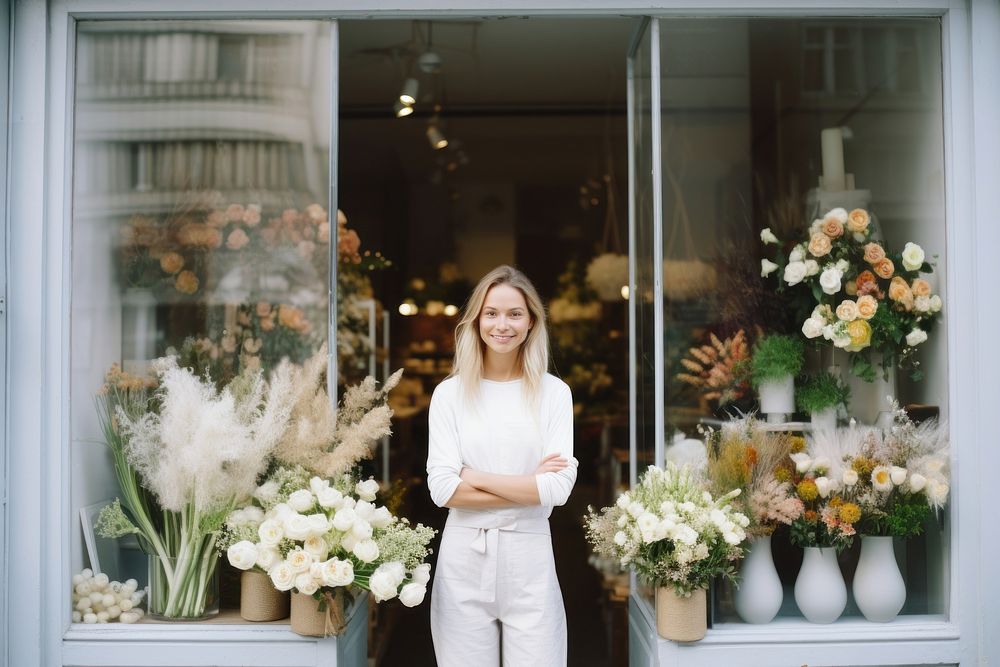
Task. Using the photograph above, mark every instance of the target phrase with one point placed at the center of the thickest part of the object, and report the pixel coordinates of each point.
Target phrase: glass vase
(184, 589)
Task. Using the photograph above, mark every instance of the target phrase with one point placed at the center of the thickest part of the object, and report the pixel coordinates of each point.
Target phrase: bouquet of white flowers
(320, 537)
(671, 531)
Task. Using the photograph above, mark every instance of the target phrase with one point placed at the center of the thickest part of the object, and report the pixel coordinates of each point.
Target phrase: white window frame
(38, 380)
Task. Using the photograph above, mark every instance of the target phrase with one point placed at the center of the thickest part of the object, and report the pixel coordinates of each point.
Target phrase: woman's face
(504, 321)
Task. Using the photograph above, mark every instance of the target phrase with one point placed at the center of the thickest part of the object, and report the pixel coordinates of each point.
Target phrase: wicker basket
(681, 619)
(259, 600)
(309, 621)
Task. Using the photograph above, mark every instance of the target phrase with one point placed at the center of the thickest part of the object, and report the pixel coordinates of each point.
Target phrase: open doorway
(509, 145)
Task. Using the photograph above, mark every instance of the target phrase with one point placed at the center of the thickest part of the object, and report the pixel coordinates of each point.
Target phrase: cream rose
(366, 490)
(381, 518)
(767, 236)
(301, 500)
(819, 245)
(847, 310)
(797, 254)
(305, 584)
(936, 303)
(282, 576)
(338, 572)
(242, 555)
(329, 498)
(922, 304)
(829, 280)
(795, 272)
(344, 519)
(297, 527)
(316, 547)
(361, 529)
(858, 220)
(267, 557)
(270, 532)
(317, 484)
(412, 594)
(767, 267)
(299, 560)
(422, 573)
(839, 214)
(867, 307)
(366, 550)
(916, 337)
(812, 267)
(812, 328)
(913, 257)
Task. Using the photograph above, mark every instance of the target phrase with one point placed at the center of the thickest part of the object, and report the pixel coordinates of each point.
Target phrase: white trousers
(496, 594)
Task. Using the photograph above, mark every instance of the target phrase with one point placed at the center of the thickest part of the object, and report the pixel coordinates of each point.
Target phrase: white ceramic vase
(759, 596)
(824, 420)
(777, 397)
(878, 587)
(820, 591)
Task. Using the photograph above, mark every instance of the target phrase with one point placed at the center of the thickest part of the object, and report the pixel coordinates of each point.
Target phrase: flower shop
(238, 239)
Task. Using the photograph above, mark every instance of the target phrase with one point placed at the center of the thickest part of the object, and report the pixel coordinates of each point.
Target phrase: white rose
(366, 490)
(329, 498)
(318, 484)
(842, 265)
(318, 524)
(305, 584)
(348, 542)
(421, 574)
(897, 475)
(366, 551)
(297, 527)
(383, 585)
(686, 535)
(299, 560)
(301, 500)
(381, 518)
(917, 482)
(812, 267)
(767, 236)
(270, 532)
(795, 272)
(913, 257)
(850, 477)
(829, 280)
(797, 254)
(364, 510)
(253, 514)
(936, 303)
(266, 492)
(316, 547)
(280, 511)
(361, 529)
(812, 328)
(839, 214)
(348, 502)
(922, 304)
(412, 594)
(823, 486)
(731, 537)
(267, 557)
(646, 522)
(338, 572)
(344, 519)
(282, 576)
(767, 267)
(242, 555)
(916, 337)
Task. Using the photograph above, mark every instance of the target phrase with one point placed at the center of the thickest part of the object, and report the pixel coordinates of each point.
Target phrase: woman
(500, 457)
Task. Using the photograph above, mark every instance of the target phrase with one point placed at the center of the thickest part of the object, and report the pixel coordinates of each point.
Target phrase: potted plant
(675, 535)
(821, 394)
(776, 360)
(745, 456)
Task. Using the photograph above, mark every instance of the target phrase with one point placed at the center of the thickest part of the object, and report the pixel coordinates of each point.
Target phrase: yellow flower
(850, 513)
(783, 474)
(186, 282)
(798, 443)
(861, 335)
(807, 490)
(836, 501)
(171, 262)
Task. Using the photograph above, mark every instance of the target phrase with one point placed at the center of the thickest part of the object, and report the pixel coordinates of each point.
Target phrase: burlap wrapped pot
(259, 600)
(679, 618)
(310, 621)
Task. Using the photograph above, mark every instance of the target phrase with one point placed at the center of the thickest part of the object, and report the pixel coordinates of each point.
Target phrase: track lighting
(409, 94)
(436, 137)
(402, 110)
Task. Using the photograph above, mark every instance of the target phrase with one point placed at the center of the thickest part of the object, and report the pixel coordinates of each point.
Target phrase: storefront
(117, 122)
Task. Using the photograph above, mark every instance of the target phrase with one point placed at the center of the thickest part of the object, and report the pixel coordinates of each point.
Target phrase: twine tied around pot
(335, 622)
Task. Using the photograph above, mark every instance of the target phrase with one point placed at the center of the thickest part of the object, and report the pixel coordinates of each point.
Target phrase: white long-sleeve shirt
(498, 434)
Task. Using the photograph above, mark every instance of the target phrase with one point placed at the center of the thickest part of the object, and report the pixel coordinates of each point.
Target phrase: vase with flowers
(775, 361)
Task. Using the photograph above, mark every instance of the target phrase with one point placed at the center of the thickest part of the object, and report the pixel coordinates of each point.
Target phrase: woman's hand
(551, 463)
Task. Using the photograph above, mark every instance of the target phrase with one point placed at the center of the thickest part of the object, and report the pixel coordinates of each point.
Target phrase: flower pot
(777, 397)
(867, 399)
(679, 618)
(820, 591)
(260, 600)
(184, 589)
(759, 595)
(878, 587)
(318, 618)
(824, 420)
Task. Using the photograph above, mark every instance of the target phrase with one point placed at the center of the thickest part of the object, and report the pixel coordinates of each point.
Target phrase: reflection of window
(851, 60)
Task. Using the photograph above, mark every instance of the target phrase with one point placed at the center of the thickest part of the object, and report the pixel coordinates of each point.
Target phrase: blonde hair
(533, 353)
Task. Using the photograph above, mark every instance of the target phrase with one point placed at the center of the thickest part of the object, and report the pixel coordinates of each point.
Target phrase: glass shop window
(768, 126)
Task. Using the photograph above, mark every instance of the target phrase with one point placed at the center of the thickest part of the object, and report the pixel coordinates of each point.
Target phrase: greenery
(774, 357)
(821, 391)
(903, 518)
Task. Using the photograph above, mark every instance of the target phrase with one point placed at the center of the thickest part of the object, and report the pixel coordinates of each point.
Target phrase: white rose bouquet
(671, 531)
(856, 295)
(321, 537)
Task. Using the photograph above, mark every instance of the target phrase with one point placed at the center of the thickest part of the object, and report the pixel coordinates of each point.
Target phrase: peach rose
(847, 310)
(907, 300)
(921, 287)
(348, 245)
(216, 219)
(237, 239)
(171, 262)
(898, 289)
(234, 212)
(289, 216)
(267, 323)
(186, 282)
(884, 268)
(820, 245)
(874, 253)
(263, 309)
(293, 318)
(199, 235)
(251, 217)
(832, 227)
(316, 213)
(323, 232)
(867, 306)
(866, 282)
(857, 220)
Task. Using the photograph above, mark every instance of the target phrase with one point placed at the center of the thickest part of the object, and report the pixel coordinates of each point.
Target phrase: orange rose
(819, 245)
(171, 262)
(921, 287)
(884, 268)
(186, 282)
(866, 282)
(874, 253)
(857, 220)
(293, 318)
(867, 306)
(832, 227)
(267, 323)
(898, 289)
(237, 239)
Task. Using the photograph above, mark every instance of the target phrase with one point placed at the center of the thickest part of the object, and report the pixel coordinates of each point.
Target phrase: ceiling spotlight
(436, 137)
(429, 62)
(409, 93)
(402, 110)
